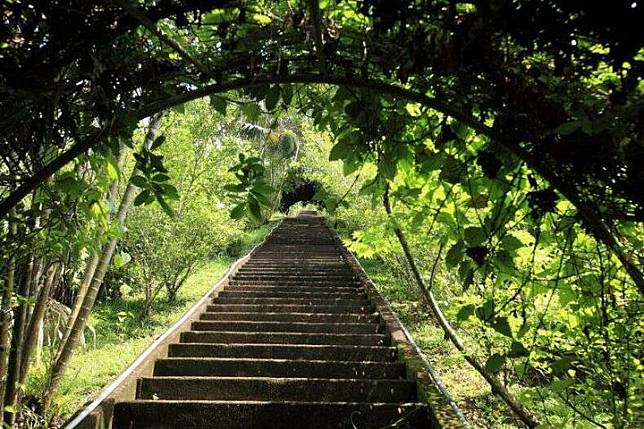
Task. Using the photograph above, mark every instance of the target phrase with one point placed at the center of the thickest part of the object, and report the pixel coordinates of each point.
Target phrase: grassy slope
(121, 336)
(465, 385)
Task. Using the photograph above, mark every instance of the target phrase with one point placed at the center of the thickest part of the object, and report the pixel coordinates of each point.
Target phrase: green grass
(120, 338)
(468, 389)
(120, 334)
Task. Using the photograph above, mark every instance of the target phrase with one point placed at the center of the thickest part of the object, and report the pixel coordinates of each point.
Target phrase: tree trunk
(497, 386)
(62, 360)
(37, 315)
(6, 318)
(12, 393)
(92, 262)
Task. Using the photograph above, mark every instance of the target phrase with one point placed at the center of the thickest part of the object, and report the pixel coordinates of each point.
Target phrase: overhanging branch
(147, 23)
(591, 218)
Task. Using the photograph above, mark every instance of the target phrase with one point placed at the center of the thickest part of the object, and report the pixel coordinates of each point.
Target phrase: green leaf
(238, 211)
(262, 187)
(160, 177)
(465, 312)
(272, 97)
(568, 127)
(494, 363)
(561, 365)
(157, 142)
(112, 168)
(517, 349)
(340, 150)
(139, 181)
(142, 197)
(122, 258)
(501, 325)
(474, 235)
(251, 111)
(261, 199)
(10, 409)
(342, 94)
(560, 385)
(235, 188)
(453, 170)
(454, 254)
(254, 209)
(511, 243)
(219, 104)
(466, 274)
(169, 191)
(486, 311)
(165, 206)
(180, 108)
(287, 94)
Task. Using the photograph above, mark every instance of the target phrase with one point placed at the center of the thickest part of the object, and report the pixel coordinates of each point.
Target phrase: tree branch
(497, 387)
(591, 218)
(147, 23)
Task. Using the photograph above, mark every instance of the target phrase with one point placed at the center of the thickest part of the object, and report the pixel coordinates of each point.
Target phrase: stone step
(244, 367)
(284, 338)
(293, 261)
(294, 317)
(285, 351)
(276, 388)
(309, 269)
(291, 342)
(289, 308)
(296, 285)
(166, 414)
(293, 289)
(263, 326)
(299, 277)
(293, 301)
(293, 283)
(233, 293)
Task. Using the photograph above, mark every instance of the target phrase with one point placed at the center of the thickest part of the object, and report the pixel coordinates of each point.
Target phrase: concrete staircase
(291, 342)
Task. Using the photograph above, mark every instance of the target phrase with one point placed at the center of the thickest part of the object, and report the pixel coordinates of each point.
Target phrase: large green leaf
(238, 211)
(501, 325)
(219, 104)
(454, 254)
(474, 235)
(494, 363)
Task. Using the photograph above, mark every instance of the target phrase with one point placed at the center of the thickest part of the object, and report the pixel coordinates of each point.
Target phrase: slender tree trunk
(12, 393)
(497, 387)
(88, 274)
(40, 308)
(92, 262)
(62, 360)
(6, 318)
